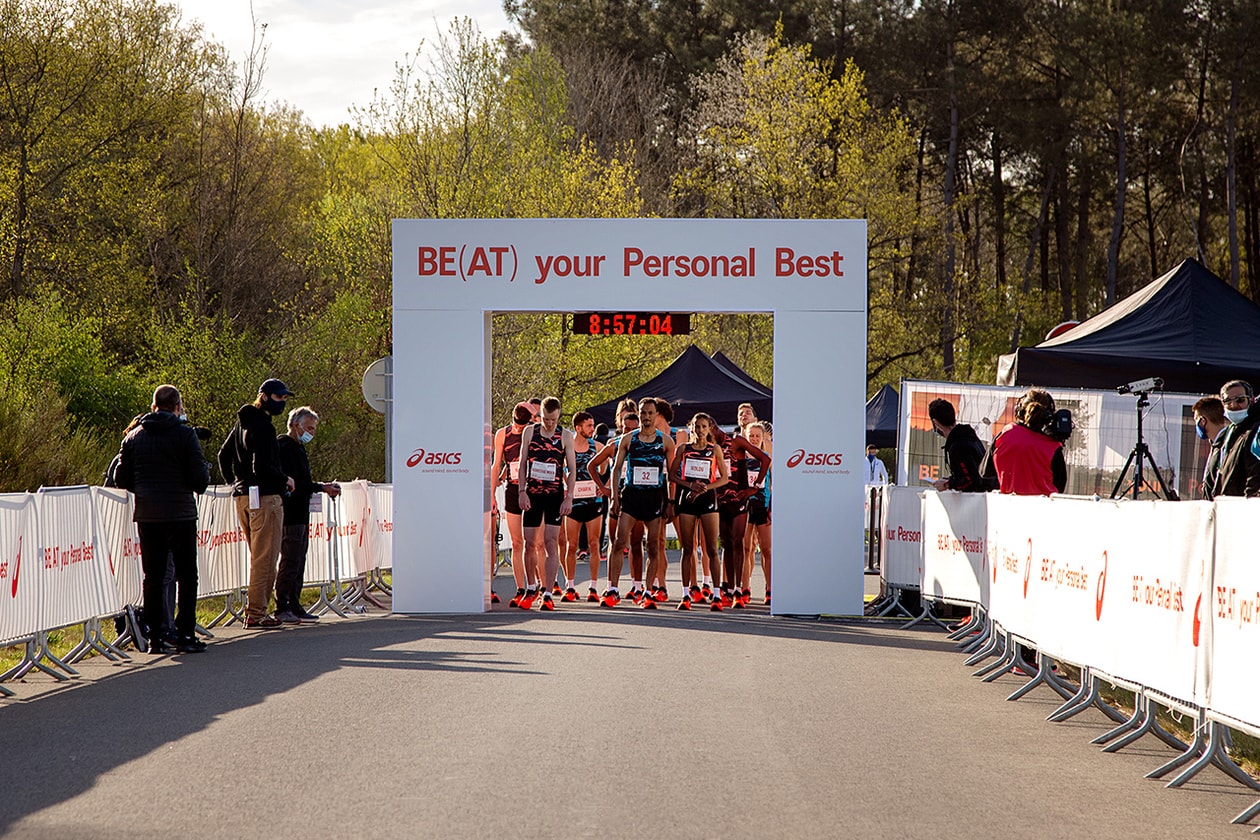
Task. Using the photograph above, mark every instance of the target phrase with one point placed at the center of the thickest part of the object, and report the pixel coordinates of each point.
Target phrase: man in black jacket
(297, 514)
(161, 463)
(1239, 471)
(963, 450)
(250, 460)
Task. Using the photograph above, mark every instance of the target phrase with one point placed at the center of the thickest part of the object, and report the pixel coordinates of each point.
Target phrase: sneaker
(189, 644)
(592, 597)
(583, 556)
(767, 601)
(661, 595)
(685, 603)
(648, 603)
(527, 600)
(694, 593)
(157, 647)
(570, 595)
(556, 590)
(547, 604)
(264, 623)
(725, 599)
(287, 617)
(746, 595)
(516, 599)
(715, 605)
(707, 592)
(737, 603)
(304, 615)
(636, 595)
(611, 599)
(494, 598)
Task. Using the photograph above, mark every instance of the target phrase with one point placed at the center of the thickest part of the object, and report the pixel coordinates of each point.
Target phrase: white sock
(638, 586)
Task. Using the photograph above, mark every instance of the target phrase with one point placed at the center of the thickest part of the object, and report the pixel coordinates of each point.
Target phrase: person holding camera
(1029, 461)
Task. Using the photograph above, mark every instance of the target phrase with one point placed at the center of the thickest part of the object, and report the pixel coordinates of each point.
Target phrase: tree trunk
(999, 213)
(1231, 185)
(951, 168)
(1033, 242)
(1117, 222)
(1083, 239)
(1063, 244)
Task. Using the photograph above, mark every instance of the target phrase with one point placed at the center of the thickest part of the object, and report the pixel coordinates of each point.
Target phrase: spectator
(1210, 424)
(1240, 462)
(876, 472)
(297, 514)
(160, 461)
(250, 460)
(1028, 461)
(963, 450)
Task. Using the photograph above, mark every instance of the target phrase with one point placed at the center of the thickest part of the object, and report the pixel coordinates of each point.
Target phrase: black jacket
(963, 453)
(250, 456)
(1239, 473)
(293, 460)
(161, 463)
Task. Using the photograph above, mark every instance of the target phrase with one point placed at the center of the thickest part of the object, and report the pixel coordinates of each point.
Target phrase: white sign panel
(901, 558)
(954, 539)
(1231, 608)
(449, 275)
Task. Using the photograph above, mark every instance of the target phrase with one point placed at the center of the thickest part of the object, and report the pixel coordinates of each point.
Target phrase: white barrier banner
(120, 541)
(383, 514)
(21, 588)
(954, 538)
(1230, 612)
(901, 549)
(355, 530)
(222, 552)
(319, 545)
(1108, 584)
(78, 584)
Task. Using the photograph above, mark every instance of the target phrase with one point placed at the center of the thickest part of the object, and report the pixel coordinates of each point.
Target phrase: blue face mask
(306, 437)
(871, 457)
(1200, 431)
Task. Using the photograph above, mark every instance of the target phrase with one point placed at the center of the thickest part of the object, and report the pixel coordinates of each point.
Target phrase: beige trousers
(264, 530)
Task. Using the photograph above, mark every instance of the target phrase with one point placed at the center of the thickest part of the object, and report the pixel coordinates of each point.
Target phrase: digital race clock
(632, 323)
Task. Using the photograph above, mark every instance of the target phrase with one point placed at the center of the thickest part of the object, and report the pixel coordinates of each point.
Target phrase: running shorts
(512, 499)
(588, 511)
(643, 505)
(758, 511)
(689, 504)
(543, 507)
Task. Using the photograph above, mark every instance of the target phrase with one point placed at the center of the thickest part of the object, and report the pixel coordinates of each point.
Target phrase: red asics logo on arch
(815, 459)
(420, 456)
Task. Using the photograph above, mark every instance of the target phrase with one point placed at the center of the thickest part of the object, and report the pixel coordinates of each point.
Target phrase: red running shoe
(636, 595)
(660, 595)
(685, 603)
(570, 595)
(547, 604)
(527, 600)
(516, 599)
(494, 597)
(694, 593)
(592, 597)
(726, 598)
(648, 603)
(556, 590)
(707, 592)
(747, 596)
(767, 601)
(716, 605)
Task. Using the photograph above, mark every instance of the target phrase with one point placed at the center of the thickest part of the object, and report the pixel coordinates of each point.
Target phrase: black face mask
(274, 407)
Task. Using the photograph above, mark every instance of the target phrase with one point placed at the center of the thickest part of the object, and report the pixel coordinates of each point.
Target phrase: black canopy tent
(883, 415)
(692, 383)
(1189, 327)
(723, 361)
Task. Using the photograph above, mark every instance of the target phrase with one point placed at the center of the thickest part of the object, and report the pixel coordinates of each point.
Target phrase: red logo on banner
(1198, 602)
(1102, 588)
(815, 459)
(17, 567)
(363, 523)
(421, 457)
(1027, 568)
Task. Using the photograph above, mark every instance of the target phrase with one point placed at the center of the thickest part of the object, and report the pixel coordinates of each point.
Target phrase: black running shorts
(642, 504)
(758, 511)
(588, 511)
(689, 504)
(543, 508)
(511, 499)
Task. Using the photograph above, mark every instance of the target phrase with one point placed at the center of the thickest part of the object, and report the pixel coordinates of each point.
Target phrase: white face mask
(306, 437)
(1236, 415)
(183, 418)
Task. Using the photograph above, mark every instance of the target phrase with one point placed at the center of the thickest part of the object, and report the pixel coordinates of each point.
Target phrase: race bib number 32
(646, 476)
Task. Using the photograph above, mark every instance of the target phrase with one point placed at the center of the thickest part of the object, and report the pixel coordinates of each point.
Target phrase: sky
(327, 55)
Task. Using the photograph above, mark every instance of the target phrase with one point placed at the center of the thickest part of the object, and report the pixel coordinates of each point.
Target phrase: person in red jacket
(1028, 461)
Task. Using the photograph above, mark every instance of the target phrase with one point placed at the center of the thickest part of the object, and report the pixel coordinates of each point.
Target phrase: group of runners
(563, 487)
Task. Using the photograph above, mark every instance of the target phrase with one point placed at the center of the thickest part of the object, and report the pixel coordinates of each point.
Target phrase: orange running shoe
(547, 605)
(660, 595)
(767, 601)
(685, 603)
(527, 600)
(611, 599)
(592, 597)
(570, 595)
(556, 590)
(494, 597)
(516, 599)
(648, 603)
(716, 605)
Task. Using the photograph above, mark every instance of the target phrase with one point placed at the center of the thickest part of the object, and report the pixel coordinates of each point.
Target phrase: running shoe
(516, 599)
(556, 590)
(660, 595)
(494, 598)
(527, 600)
(636, 595)
(611, 599)
(647, 603)
(715, 605)
(685, 603)
(767, 601)
(592, 597)
(747, 596)
(707, 592)
(694, 593)
(547, 604)
(737, 603)
(725, 598)
(570, 595)
(583, 556)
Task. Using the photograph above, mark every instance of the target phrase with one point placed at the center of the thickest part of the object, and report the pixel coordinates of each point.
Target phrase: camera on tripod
(1142, 386)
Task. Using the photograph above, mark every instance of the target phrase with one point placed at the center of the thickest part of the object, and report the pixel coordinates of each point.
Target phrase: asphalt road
(579, 723)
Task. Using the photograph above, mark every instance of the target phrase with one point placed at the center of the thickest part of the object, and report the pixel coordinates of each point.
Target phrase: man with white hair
(298, 505)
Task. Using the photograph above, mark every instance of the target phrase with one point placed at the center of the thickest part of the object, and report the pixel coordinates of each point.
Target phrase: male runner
(589, 506)
(627, 423)
(547, 470)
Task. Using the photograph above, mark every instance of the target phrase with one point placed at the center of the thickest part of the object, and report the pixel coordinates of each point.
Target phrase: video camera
(1142, 386)
(1059, 426)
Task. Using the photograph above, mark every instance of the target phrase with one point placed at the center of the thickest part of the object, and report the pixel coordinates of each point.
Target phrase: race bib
(697, 468)
(514, 471)
(645, 476)
(584, 490)
(544, 471)
(753, 475)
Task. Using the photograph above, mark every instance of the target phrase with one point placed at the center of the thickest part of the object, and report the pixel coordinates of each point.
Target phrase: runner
(733, 514)
(697, 470)
(656, 576)
(646, 455)
(507, 454)
(758, 534)
(548, 467)
(589, 506)
(627, 423)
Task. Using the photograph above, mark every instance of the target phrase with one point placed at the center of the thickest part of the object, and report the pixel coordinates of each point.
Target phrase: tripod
(1141, 453)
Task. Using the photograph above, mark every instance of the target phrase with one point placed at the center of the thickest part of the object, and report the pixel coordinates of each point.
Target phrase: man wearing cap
(250, 460)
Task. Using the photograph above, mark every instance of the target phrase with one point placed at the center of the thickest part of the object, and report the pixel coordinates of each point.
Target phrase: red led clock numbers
(632, 323)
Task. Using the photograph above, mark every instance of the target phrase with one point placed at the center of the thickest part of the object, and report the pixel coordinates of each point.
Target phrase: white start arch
(451, 275)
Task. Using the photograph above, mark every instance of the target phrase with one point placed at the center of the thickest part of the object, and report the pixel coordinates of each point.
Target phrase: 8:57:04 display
(631, 323)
